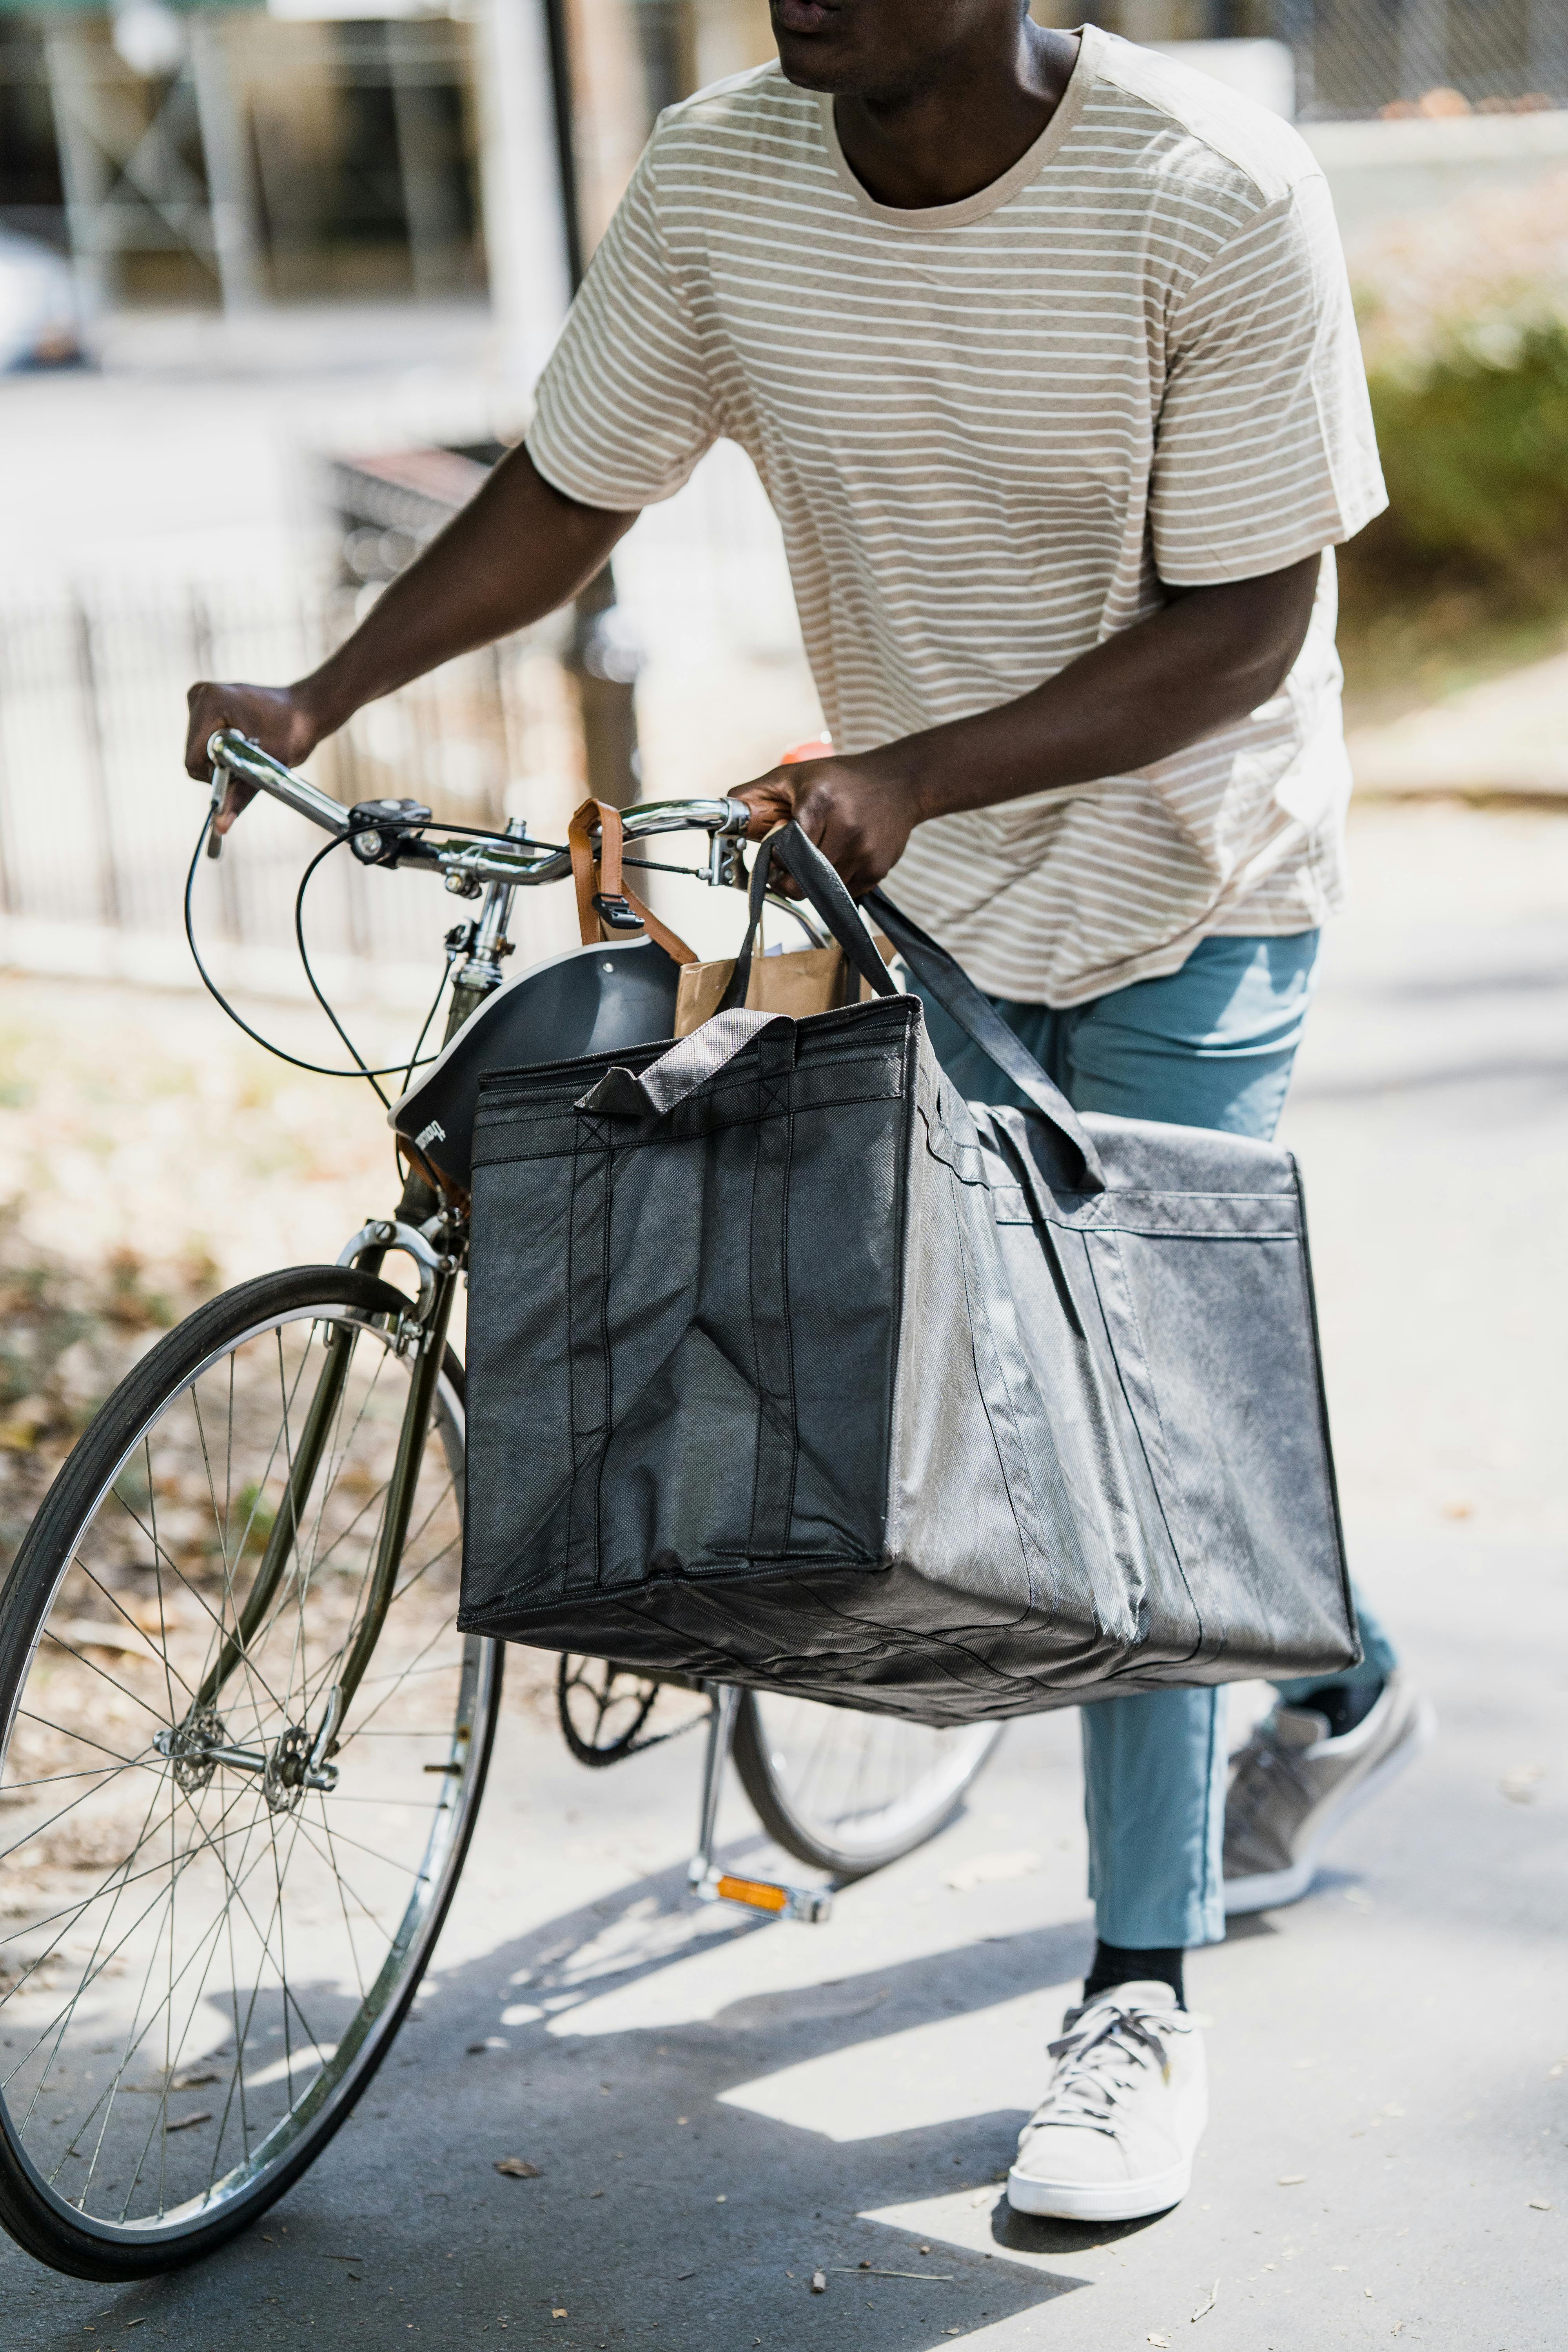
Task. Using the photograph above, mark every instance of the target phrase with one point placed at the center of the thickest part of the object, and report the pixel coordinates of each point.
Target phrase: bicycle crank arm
(813, 1905)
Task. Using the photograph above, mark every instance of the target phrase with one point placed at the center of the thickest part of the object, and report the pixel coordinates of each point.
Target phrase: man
(1044, 352)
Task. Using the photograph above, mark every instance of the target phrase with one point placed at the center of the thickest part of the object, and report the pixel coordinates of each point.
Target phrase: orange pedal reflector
(753, 1891)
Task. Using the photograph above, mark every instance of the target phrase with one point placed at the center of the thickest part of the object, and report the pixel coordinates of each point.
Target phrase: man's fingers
(236, 796)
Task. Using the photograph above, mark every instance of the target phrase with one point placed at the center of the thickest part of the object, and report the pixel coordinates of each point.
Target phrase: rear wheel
(218, 1897)
(846, 1791)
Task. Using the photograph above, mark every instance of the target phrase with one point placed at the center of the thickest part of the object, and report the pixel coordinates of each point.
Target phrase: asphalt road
(719, 2108)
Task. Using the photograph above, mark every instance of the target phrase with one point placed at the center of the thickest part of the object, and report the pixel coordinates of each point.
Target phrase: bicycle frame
(430, 1225)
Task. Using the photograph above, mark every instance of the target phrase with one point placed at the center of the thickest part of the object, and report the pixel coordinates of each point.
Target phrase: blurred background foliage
(1463, 315)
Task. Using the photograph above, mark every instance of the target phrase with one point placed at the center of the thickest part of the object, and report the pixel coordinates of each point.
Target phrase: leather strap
(608, 881)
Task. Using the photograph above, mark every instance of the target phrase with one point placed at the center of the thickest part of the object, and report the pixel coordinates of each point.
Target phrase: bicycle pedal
(813, 1905)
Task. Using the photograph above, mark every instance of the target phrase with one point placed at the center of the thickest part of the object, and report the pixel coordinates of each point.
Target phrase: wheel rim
(861, 1786)
(200, 1957)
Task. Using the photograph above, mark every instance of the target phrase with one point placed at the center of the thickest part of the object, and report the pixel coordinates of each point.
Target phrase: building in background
(319, 149)
(322, 148)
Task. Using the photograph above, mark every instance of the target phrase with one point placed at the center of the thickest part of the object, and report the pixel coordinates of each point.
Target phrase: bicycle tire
(316, 1299)
(853, 1841)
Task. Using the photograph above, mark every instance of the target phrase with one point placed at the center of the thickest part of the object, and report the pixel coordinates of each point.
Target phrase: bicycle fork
(706, 1882)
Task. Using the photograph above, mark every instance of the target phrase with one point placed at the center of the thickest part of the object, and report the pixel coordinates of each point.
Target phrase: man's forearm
(1206, 658)
(514, 553)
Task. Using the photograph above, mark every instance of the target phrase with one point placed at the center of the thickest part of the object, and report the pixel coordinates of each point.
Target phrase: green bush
(1474, 453)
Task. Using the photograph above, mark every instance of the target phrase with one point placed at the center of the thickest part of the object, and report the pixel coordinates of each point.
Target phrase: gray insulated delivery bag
(787, 1366)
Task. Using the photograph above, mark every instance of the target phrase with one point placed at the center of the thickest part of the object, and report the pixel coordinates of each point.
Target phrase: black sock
(1113, 1965)
(1344, 1704)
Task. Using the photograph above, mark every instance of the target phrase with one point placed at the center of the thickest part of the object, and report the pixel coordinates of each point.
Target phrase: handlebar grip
(237, 755)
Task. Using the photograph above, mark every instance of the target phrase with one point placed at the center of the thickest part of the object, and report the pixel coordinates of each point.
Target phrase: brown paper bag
(800, 981)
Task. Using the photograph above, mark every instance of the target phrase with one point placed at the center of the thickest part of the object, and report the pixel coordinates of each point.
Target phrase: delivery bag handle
(939, 973)
(944, 978)
(695, 1059)
(734, 996)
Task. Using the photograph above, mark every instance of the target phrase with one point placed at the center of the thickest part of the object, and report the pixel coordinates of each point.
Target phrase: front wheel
(846, 1791)
(221, 1882)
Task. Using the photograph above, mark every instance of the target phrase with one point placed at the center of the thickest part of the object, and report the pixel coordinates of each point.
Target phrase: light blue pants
(1210, 1045)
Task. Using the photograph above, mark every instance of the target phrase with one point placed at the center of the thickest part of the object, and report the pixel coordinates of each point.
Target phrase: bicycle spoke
(231, 1908)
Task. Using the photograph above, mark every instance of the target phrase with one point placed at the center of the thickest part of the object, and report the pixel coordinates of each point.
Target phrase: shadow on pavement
(662, 2216)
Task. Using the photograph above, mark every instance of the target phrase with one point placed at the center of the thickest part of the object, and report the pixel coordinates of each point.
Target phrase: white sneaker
(1115, 2135)
(1292, 1787)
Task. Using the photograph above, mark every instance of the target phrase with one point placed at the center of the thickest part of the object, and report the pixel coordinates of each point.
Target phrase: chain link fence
(1367, 57)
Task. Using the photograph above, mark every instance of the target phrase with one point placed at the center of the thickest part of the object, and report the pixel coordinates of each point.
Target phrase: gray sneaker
(1293, 1785)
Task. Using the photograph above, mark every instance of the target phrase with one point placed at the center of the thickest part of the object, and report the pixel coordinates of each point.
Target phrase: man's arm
(1210, 656)
(516, 550)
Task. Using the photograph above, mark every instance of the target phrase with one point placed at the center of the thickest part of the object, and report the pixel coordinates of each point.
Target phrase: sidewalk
(718, 2109)
(1508, 736)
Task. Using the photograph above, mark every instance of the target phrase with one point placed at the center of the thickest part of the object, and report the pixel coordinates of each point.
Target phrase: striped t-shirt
(989, 429)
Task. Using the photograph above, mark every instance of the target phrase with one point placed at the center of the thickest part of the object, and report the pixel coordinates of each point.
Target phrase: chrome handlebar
(465, 863)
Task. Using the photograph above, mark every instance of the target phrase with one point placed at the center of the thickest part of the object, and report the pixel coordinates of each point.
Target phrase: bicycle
(243, 1742)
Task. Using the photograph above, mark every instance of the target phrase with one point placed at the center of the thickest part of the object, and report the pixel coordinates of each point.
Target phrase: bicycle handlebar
(463, 861)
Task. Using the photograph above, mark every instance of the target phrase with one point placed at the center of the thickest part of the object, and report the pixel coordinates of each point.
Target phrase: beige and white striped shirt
(989, 429)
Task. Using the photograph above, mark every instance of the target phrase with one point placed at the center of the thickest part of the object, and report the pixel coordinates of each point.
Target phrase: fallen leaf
(991, 1869)
(1203, 2309)
(188, 2123)
(560, 2311)
(518, 2167)
(1291, 2179)
(193, 2082)
(819, 2282)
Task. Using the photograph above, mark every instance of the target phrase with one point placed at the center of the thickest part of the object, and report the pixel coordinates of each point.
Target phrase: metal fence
(1358, 58)
(1362, 57)
(98, 821)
